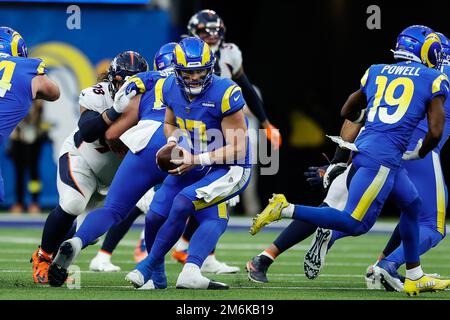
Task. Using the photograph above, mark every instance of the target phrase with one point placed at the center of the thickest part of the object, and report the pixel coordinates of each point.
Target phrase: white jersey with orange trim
(230, 59)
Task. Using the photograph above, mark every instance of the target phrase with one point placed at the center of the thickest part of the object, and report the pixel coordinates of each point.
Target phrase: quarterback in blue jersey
(205, 121)
(410, 90)
(22, 80)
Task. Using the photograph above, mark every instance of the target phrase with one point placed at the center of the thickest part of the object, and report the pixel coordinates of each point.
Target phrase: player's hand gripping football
(273, 134)
(185, 164)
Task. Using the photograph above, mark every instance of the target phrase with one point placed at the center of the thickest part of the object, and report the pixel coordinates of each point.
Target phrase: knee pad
(74, 205)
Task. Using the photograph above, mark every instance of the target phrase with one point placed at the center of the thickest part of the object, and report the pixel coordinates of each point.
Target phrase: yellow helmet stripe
(15, 44)
(206, 54)
(179, 54)
(429, 40)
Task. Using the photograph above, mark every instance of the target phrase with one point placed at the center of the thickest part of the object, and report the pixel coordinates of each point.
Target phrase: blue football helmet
(420, 44)
(164, 57)
(445, 48)
(193, 55)
(12, 43)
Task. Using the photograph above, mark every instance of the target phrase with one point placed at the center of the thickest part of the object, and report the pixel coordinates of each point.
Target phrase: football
(165, 155)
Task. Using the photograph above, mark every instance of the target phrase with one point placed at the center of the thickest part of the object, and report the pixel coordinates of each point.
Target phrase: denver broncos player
(409, 90)
(22, 80)
(209, 26)
(207, 111)
(86, 165)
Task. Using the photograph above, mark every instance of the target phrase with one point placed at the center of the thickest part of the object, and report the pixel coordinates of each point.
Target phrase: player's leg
(76, 184)
(212, 224)
(123, 195)
(198, 193)
(179, 252)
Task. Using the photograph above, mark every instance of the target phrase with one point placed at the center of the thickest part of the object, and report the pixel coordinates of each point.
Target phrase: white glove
(413, 155)
(332, 172)
(123, 97)
(233, 201)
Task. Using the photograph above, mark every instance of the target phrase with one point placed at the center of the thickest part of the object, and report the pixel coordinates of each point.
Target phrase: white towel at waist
(223, 186)
(136, 138)
(343, 144)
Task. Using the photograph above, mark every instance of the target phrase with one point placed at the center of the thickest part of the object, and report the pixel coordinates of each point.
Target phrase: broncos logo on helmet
(420, 44)
(12, 43)
(125, 64)
(193, 65)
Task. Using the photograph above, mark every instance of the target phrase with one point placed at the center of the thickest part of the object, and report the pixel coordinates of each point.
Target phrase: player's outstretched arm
(129, 118)
(44, 88)
(436, 122)
(170, 127)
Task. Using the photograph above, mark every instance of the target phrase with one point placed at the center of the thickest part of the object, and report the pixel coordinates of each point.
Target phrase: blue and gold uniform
(16, 74)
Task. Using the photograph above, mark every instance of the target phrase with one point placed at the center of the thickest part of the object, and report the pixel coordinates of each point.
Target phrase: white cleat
(102, 263)
(191, 278)
(149, 285)
(315, 256)
(136, 278)
(212, 265)
(373, 281)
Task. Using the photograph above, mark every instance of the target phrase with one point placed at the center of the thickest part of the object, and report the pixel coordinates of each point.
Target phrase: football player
(22, 80)
(209, 26)
(86, 164)
(207, 111)
(377, 171)
(143, 141)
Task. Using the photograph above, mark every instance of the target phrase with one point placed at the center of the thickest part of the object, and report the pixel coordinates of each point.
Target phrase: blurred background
(305, 57)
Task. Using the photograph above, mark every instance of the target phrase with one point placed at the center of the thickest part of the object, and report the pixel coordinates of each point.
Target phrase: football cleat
(102, 263)
(191, 278)
(67, 252)
(41, 262)
(140, 252)
(389, 276)
(212, 265)
(315, 257)
(424, 284)
(179, 256)
(372, 278)
(136, 278)
(257, 269)
(270, 213)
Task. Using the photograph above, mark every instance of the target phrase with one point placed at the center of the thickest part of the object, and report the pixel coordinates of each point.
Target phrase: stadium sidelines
(26, 220)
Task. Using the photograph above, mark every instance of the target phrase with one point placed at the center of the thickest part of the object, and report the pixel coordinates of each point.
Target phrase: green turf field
(342, 277)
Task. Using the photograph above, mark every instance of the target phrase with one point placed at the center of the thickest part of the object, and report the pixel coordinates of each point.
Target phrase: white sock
(266, 254)
(288, 212)
(414, 273)
(182, 245)
(143, 234)
(104, 255)
(191, 267)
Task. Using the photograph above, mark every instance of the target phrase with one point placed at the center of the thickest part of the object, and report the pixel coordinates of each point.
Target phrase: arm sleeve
(232, 100)
(92, 126)
(38, 66)
(253, 100)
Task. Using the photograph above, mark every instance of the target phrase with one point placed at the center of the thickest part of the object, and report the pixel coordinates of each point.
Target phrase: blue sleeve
(363, 82)
(232, 100)
(37, 66)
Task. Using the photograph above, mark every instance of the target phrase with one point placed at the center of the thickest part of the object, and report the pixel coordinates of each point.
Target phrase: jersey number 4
(5, 81)
(402, 102)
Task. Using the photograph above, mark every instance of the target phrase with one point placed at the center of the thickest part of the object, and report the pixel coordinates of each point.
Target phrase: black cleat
(214, 285)
(57, 272)
(257, 269)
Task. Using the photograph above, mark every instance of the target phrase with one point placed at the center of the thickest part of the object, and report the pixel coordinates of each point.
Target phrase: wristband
(172, 139)
(205, 159)
(112, 114)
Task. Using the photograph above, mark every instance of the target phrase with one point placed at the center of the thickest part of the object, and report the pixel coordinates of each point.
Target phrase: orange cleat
(41, 261)
(140, 252)
(180, 256)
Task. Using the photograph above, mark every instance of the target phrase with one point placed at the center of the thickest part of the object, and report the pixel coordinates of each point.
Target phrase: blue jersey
(200, 119)
(151, 106)
(397, 96)
(423, 124)
(16, 74)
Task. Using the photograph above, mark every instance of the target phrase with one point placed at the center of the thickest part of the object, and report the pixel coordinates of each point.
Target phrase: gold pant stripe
(371, 193)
